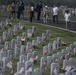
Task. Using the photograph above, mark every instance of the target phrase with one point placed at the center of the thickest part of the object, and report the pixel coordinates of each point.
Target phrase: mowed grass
(68, 37)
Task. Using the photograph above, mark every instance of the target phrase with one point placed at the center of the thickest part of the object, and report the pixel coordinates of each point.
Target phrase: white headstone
(10, 54)
(34, 43)
(37, 71)
(55, 69)
(5, 35)
(29, 47)
(7, 45)
(10, 32)
(44, 36)
(30, 57)
(17, 52)
(29, 33)
(1, 48)
(49, 61)
(21, 25)
(45, 50)
(28, 66)
(34, 29)
(39, 40)
(23, 49)
(14, 43)
(19, 42)
(23, 58)
(50, 48)
(21, 67)
(43, 63)
(2, 56)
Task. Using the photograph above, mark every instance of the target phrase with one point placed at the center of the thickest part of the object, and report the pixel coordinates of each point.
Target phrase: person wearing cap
(45, 14)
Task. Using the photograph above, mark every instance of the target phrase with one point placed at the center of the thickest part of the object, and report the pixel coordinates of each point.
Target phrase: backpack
(9, 8)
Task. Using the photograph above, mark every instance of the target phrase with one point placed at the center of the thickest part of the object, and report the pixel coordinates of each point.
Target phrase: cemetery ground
(26, 14)
(67, 37)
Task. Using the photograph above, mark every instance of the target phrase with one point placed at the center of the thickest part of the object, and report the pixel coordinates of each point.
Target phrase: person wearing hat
(45, 14)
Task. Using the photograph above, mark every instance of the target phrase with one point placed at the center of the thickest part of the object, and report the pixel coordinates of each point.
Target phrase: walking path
(61, 25)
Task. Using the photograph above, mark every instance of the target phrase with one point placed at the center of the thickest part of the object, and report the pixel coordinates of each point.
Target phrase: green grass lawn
(67, 37)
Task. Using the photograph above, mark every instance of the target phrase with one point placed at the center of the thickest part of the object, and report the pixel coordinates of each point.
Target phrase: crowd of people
(12, 10)
(38, 9)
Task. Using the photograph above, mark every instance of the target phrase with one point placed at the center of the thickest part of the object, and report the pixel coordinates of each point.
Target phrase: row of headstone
(65, 53)
(30, 57)
(17, 51)
(68, 66)
(36, 71)
(10, 32)
(43, 64)
(36, 57)
(55, 57)
(4, 24)
(52, 46)
(5, 63)
(5, 56)
(26, 62)
(10, 52)
(46, 67)
(14, 42)
(22, 67)
(54, 69)
(72, 72)
(46, 62)
(35, 43)
(47, 34)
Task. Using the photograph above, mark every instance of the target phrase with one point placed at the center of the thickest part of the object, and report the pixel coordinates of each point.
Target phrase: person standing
(22, 9)
(31, 11)
(18, 10)
(13, 9)
(45, 14)
(38, 9)
(55, 14)
(67, 16)
(9, 10)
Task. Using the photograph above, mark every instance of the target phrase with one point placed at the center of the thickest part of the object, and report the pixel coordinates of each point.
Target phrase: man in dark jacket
(13, 9)
(38, 9)
(18, 10)
(22, 9)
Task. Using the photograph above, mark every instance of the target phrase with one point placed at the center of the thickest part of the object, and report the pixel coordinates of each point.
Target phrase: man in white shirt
(67, 16)
(55, 14)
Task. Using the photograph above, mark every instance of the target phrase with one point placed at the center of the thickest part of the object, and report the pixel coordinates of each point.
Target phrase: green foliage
(69, 3)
